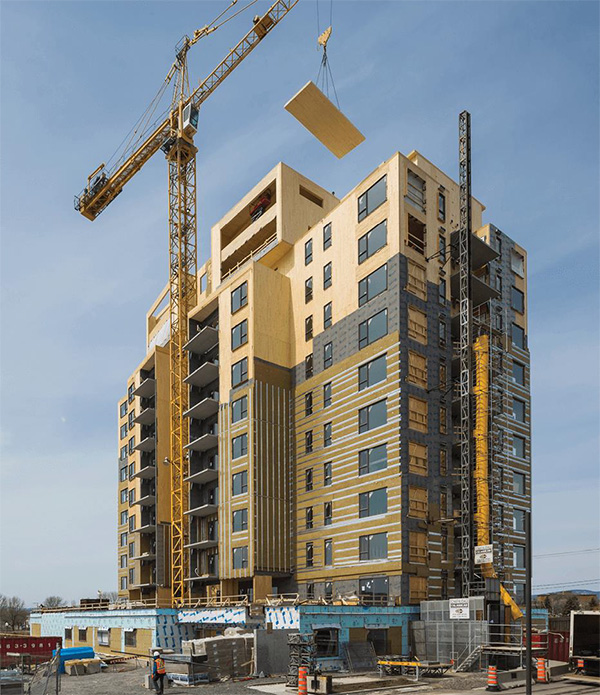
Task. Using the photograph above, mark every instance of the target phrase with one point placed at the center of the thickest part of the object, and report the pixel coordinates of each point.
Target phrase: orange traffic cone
(302, 671)
(492, 678)
(542, 673)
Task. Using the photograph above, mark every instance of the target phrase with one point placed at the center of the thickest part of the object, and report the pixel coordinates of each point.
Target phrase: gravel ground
(133, 682)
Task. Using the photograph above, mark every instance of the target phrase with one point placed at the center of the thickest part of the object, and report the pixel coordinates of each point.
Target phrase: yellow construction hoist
(174, 135)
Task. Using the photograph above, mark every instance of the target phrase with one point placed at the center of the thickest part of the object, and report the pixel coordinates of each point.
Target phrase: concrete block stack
(226, 657)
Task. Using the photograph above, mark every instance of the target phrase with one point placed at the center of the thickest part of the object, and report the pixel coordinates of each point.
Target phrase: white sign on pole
(484, 554)
(459, 608)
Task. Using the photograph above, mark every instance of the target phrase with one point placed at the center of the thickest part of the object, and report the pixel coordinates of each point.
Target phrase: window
(327, 275)
(417, 414)
(310, 591)
(519, 593)
(372, 198)
(124, 517)
(327, 513)
(308, 327)
(518, 446)
(518, 336)
(308, 442)
(328, 552)
(371, 416)
(309, 479)
(327, 355)
(417, 547)
(374, 590)
(308, 252)
(309, 517)
(239, 446)
(373, 459)
(202, 285)
(239, 335)
(103, 637)
(239, 372)
(444, 542)
(308, 366)
(443, 462)
(240, 558)
(519, 483)
(442, 331)
(130, 638)
(519, 520)
(327, 318)
(131, 470)
(131, 497)
(327, 473)
(372, 241)
(68, 633)
(308, 290)
(123, 453)
(417, 458)
(517, 300)
(415, 190)
(518, 373)
(417, 325)
(123, 561)
(130, 419)
(123, 583)
(443, 502)
(327, 236)
(417, 279)
(239, 483)
(328, 590)
(372, 503)
(308, 404)
(131, 445)
(327, 434)
(443, 420)
(372, 285)
(240, 520)
(372, 329)
(372, 547)
(417, 502)
(416, 238)
(239, 297)
(519, 556)
(239, 409)
(326, 642)
(327, 395)
(498, 281)
(372, 372)
(124, 496)
(123, 540)
(123, 431)
(518, 410)
(130, 391)
(517, 263)
(309, 555)
(123, 409)
(417, 369)
(442, 291)
(132, 549)
(132, 523)
(441, 206)
(82, 634)
(442, 248)
(442, 376)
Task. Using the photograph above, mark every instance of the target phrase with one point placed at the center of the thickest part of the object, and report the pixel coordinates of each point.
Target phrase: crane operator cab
(190, 120)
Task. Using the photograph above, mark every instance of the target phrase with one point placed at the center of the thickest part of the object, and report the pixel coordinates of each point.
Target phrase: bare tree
(112, 596)
(13, 614)
(571, 604)
(54, 602)
(593, 605)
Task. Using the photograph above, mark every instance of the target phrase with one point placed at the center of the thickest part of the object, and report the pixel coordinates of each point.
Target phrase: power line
(569, 552)
(577, 583)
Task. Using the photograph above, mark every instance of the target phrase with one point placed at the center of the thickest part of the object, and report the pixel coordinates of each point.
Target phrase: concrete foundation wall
(271, 651)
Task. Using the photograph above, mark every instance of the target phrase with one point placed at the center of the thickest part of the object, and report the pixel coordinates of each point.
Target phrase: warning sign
(459, 608)
(484, 554)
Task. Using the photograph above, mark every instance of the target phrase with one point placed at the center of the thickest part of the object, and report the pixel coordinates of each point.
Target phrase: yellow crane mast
(175, 137)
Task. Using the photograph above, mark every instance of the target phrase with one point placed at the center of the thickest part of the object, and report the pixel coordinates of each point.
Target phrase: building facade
(322, 454)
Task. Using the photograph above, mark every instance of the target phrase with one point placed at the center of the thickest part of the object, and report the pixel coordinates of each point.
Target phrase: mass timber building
(322, 445)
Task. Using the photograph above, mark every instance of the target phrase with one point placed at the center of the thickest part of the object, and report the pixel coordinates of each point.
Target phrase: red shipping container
(27, 644)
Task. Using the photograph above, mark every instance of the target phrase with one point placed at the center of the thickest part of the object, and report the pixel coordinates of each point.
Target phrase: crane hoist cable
(325, 76)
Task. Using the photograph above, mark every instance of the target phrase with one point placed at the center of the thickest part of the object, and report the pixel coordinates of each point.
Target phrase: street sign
(484, 554)
(459, 608)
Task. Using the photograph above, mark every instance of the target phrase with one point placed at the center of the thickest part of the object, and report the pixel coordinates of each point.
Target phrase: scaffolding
(302, 653)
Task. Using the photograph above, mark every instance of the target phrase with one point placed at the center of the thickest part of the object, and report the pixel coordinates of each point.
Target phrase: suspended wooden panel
(326, 122)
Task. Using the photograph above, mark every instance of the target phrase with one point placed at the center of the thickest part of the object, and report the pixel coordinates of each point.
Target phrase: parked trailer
(584, 646)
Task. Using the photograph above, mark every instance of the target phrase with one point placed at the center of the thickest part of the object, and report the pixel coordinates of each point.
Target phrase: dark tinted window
(308, 327)
(240, 557)
(308, 252)
(240, 520)
(308, 366)
(371, 460)
(239, 446)
(373, 547)
(372, 198)
(327, 275)
(327, 236)
(308, 403)
(517, 300)
(372, 329)
(239, 483)
(372, 503)
(327, 434)
(308, 290)
(239, 372)
(519, 410)
(518, 373)
(372, 416)
(239, 409)
(518, 336)
(327, 395)
(372, 241)
(372, 373)
(239, 334)
(327, 355)
(372, 285)
(239, 297)
(327, 318)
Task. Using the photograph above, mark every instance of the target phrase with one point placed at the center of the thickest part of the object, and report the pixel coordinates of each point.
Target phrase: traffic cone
(302, 689)
(542, 673)
(492, 678)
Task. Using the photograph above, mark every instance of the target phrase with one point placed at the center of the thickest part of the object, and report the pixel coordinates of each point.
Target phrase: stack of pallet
(226, 657)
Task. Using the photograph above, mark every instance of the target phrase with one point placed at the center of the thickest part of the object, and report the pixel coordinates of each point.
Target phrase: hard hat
(156, 654)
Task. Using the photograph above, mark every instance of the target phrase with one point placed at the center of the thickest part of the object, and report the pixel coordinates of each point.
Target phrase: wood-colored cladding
(417, 502)
(417, 458)
(417, 279)
(417, 589)
(417, 324)
(417, 414)
(417, 369)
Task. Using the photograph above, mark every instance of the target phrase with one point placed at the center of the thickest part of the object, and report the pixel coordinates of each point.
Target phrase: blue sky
(76, 76)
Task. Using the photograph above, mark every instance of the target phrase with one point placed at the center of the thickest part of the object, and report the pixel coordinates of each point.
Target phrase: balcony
(146, 501)
(147, 472)
(204, 340)
(147, 444)
(204, 408)
(207, 372)
(204, 509)
(204, 442)
(145, 528)
(146, 389)
(204, 475)
(481, 252)
(146, 417)
(203, 544)
(481, 292)
(144, 557)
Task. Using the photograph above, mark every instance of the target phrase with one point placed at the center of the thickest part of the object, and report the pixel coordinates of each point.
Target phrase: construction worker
(158, 672)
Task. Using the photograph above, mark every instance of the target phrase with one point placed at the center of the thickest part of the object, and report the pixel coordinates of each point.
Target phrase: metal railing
(257, 252)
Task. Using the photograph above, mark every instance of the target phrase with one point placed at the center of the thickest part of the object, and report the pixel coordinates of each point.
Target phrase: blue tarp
(73, 653)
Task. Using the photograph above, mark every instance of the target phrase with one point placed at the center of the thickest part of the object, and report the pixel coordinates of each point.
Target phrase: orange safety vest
(160, 666)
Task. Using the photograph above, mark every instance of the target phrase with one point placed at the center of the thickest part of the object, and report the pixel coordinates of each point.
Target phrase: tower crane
(175, 137)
